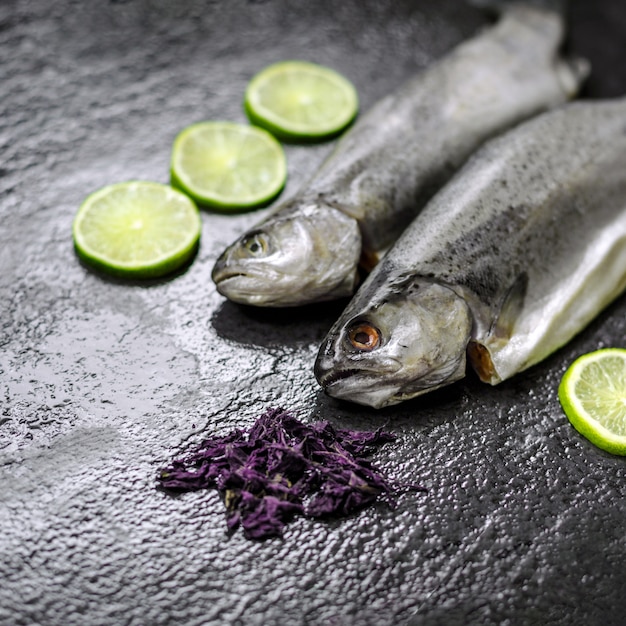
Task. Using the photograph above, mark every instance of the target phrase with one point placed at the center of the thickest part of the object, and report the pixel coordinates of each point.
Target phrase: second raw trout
(517, 254)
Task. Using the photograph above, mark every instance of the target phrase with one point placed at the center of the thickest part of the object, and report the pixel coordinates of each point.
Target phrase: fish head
(407, 342)
(294, 257)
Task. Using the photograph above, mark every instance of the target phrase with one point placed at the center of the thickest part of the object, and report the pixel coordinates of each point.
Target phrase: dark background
(102, 382)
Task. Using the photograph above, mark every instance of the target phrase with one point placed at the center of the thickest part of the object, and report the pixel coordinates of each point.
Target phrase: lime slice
(228, 166)
(137, 229)
(593, 395)
(296, 100)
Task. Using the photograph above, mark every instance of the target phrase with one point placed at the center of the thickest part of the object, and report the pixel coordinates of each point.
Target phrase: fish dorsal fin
(512, 303)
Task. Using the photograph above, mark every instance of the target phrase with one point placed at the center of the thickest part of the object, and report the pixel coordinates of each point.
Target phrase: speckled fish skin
(522, 249)
(395, 158)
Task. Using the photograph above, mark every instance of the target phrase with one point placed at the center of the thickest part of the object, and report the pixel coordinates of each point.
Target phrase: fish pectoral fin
(512, 304)
(479, 358)
(369, 260)
(479, 351)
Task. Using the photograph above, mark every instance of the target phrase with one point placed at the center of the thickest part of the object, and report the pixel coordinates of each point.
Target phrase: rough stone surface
(102, 382)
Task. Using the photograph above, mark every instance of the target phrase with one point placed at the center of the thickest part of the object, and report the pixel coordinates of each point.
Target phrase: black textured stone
(102, 382)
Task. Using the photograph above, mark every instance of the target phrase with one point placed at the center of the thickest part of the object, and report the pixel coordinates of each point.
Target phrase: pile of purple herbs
(282, 468)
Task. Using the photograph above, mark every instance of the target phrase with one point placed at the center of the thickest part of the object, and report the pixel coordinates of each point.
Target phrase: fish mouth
(250, 283)
(263, 290)
(232, 285)
(222, 277)
(368, 391)
(222, 274)
(361, 385)
(328, 375)
(330, 379)
(339, 383)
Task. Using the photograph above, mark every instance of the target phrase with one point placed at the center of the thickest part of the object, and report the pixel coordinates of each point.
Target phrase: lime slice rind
(137, 229)
(592, 393)
(301, 101)
(227, 166)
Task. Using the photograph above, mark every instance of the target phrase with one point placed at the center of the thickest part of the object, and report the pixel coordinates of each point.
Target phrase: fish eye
(364, 336)
(255, 244)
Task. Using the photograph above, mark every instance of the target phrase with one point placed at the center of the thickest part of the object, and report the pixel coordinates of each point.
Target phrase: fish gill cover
(281, 468)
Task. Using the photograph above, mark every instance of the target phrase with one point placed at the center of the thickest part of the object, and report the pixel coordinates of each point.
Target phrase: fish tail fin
(571, 71)
(501, 6)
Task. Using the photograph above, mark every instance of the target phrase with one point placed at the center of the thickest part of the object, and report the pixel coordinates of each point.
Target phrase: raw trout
(506, 264)
(386, 167)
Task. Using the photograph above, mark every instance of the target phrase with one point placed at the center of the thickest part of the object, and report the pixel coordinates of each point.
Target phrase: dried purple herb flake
(282, 468)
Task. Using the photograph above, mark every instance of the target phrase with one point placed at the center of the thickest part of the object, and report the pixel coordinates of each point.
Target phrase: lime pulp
(592, 393)
(228, 166)
(301, 101)
(137, 229)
